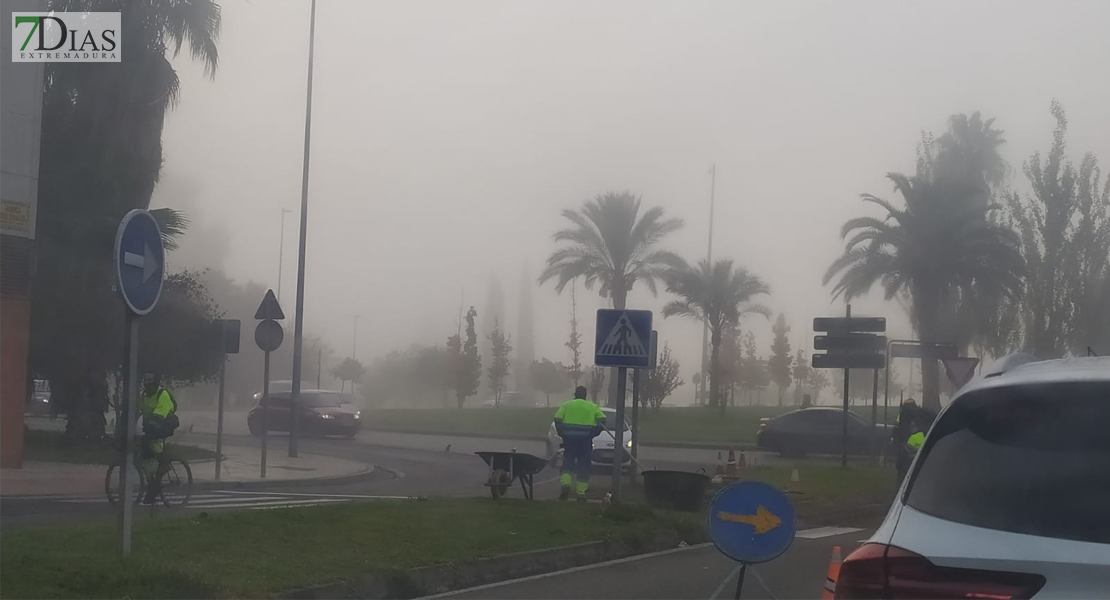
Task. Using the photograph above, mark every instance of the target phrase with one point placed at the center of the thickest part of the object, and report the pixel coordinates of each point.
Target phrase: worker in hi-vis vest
(577, 421)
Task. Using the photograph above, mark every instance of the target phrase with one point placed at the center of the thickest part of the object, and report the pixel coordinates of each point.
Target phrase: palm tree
(101, 156)
(719, 295)
(612, 245)
(938, 246)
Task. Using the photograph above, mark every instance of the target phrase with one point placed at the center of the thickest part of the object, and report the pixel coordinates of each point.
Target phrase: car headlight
(628, 443)
(326, 416)
(358, 414)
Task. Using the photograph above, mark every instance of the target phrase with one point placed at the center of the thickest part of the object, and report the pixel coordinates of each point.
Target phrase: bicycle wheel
(113, 484)
(177, 483)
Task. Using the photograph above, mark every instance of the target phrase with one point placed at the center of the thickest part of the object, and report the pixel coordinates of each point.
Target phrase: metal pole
(740, 580)
(354, 341)
(886, 402)
(129, 468)
(265, 409)
(635, 421)
(298, 326)
(618, 434)
(844, 419)
(220, 406)
(874, 409)
(319, 365)
(708, 259)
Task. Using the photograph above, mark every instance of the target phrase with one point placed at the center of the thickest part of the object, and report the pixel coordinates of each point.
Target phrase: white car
(603, 443)
(1008, 498)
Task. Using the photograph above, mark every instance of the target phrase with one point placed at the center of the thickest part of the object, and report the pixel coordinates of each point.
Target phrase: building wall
(20, 135)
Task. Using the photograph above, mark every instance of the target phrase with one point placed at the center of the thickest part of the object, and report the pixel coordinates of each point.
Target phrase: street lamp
(298, 326)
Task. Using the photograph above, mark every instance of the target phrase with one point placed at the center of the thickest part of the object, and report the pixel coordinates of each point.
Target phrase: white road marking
(824, 532)
(320, 495)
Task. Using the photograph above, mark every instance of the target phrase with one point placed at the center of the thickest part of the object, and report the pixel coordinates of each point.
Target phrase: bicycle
(175, 474)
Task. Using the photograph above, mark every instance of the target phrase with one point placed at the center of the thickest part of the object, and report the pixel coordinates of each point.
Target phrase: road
(407, 465)
(699, 572)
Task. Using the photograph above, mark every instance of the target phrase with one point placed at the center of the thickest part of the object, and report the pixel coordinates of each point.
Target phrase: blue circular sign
(139, 261)
(751, 522)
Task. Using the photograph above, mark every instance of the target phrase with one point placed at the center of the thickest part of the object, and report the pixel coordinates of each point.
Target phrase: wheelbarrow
(507, 467)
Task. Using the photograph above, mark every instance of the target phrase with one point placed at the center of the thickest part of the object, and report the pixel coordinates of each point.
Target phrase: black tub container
(675, 490)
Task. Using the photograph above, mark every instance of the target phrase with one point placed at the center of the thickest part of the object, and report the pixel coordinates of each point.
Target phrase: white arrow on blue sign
(140, 259)
(623, 338)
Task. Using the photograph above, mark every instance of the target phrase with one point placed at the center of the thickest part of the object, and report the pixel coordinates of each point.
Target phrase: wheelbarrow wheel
(499, 481)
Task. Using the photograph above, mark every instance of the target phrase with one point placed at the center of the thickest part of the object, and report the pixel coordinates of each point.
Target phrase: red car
(322, 412)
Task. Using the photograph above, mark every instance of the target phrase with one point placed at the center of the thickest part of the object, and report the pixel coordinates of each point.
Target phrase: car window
(1033, 460)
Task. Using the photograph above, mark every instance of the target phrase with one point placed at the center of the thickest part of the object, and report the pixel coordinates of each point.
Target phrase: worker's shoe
(564, 492)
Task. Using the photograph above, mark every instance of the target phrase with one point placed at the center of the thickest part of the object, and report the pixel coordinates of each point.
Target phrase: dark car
(323, 412)
(818, 431)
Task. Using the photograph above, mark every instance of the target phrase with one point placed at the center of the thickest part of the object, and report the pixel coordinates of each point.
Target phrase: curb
(439, 579)
(746, 447)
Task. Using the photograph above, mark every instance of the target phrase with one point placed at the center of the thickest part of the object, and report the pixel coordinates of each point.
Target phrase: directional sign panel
(849, 361)
(268, 335)
(938, 351)
(269, 308)
(846, 324)
(623, 338)
(139, 261)
(751, 522)
(857, 342)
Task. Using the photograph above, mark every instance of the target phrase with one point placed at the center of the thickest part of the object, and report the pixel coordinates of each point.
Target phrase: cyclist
(159, 411)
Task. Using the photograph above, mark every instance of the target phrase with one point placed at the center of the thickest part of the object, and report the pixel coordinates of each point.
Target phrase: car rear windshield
(1030, 459)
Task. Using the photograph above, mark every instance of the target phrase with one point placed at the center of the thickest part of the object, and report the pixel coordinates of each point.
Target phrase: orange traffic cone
(730, 469)
(720, 470)
(834, 574)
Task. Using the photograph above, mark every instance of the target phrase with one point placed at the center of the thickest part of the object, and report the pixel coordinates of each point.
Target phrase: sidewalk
(241, 465)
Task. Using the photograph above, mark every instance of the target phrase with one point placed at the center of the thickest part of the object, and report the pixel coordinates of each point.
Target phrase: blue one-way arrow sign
(623, 338)
(139, 261)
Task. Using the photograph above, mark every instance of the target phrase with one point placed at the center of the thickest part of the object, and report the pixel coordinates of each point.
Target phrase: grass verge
(260, 553)
(54, 446)
(685, 425)
(825, 488)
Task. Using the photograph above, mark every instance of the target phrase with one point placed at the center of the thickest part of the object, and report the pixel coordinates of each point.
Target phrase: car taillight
(881, 571)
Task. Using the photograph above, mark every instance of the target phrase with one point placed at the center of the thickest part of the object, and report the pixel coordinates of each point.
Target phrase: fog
(447, 136)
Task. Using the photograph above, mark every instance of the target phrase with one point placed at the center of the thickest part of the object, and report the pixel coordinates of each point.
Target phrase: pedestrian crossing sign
(623, 338)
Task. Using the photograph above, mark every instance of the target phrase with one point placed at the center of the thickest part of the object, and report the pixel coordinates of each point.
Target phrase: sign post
(228, 335)
(268, 336)
(751, 522)
(637, 375)
(851, 343)
(139, 258)
(623, 339)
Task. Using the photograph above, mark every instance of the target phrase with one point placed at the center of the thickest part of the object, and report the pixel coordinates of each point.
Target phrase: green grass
(689, 425)
(261, 553)
(824, 487)
(54, 446)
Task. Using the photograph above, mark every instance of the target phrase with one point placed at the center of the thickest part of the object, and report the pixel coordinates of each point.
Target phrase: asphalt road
(407, 465)
(696, 572)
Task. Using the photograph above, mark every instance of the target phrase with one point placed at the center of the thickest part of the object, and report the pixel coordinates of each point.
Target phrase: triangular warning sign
(960, 370)
(623, 341)
(269, 309)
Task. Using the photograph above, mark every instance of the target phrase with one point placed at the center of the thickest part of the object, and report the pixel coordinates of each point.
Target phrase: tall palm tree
(936, 247)
(612, 245)
(101, 156)
(719, 294)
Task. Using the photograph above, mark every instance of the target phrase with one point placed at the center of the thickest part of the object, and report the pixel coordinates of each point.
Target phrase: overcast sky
(447, 136)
